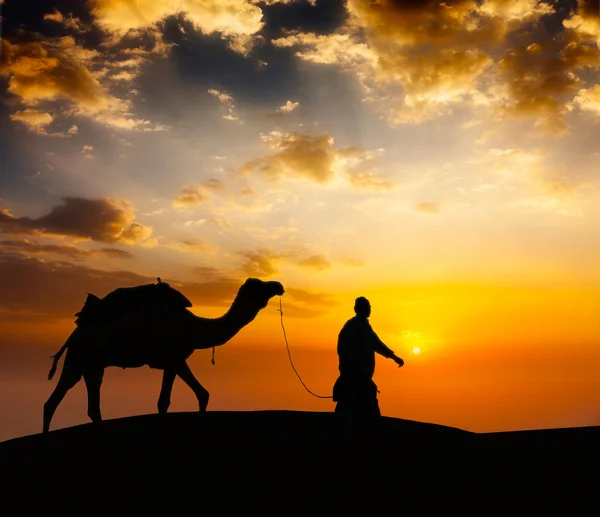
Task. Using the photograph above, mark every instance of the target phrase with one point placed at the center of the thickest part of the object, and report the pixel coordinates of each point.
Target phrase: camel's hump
(125, 300)
(147, 293)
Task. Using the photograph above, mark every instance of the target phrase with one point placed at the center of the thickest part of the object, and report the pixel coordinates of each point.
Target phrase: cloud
(226, 101)
(217, 221)
(516, 10)
(192, 195)
(57, 289)
(417, 60)
(238, 21)
(68, 21)
(193, 246)
(585, 22)
(261, 263)
(27, 248)
(428, 207)
(538, 79)
(103, 220)
(318, 262)
(311, 298)
(288, 107)
(589, 99)
(314, 158)
(36, 121)
(59, 69)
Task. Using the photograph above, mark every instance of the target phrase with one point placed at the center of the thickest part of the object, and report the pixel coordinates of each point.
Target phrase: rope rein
(287, 346)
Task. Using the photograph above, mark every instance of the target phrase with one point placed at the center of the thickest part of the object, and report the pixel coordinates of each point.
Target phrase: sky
(439, 158)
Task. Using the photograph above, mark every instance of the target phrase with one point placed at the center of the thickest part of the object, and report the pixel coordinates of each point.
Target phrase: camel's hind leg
(68, 378)
(201, 393)
(93, 382)
(164, 399)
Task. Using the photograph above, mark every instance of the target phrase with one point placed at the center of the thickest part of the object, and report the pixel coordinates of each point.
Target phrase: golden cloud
(238, 21)
(35, 120)
(103, 220)
(196, 194)
(288, 107)
(312, 157)
(589, 99)
(67, 21)
(586, 21)
(226, 101)
(59, 69)
(516, 10)
(415, 59)
(539, 79)
(297, 155)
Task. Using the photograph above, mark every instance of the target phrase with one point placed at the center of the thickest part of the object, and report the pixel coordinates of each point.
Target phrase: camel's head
(259, 292)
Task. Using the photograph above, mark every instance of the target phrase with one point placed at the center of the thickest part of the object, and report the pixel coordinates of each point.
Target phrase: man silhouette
(354, 391)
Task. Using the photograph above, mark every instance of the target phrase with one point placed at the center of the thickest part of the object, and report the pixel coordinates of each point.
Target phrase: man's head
(362, 307)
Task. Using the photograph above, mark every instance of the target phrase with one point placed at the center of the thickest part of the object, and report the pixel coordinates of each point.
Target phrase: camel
(162, 343)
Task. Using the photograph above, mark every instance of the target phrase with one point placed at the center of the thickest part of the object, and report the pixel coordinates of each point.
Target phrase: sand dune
(288, 462)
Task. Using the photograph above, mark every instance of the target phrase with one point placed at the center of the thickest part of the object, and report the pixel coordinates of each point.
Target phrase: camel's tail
(56, 357)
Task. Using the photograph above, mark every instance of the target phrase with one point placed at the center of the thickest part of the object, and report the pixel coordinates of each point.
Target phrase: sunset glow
(439, 158)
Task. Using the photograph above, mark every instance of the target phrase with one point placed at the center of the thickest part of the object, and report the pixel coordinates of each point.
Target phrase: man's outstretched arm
(382, 349)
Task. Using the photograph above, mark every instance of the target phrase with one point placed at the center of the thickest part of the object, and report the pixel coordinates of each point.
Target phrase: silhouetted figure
(354, 391)
(162, 334)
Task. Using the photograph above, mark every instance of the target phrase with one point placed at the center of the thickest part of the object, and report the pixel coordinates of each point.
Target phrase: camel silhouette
(163, 343)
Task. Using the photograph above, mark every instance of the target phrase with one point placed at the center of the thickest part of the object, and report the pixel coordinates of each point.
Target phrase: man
(354, 391)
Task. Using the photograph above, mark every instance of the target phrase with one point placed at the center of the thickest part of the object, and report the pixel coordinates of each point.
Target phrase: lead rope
(290, 357)
(213, 357)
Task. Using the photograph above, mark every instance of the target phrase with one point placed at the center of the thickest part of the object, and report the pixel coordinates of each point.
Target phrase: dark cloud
(57, 289)
(32, 248)
(30, 14)
(589, 9)
(324, 17)
(103, 220)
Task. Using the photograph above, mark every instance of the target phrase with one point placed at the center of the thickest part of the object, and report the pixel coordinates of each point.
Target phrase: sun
(416, 350)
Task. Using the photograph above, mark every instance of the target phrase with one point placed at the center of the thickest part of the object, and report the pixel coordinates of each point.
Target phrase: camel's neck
(209, 332)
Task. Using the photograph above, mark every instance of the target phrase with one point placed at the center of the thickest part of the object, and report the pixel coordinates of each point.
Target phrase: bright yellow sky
(440, 159)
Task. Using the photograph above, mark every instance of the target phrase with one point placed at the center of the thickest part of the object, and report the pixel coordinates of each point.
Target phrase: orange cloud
(103, 220)
(59, 69)
(314, 158)
(35, 120)
(27, 247)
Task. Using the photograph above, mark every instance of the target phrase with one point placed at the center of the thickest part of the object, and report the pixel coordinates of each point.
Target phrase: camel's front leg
(201, 393)
(164, 399)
